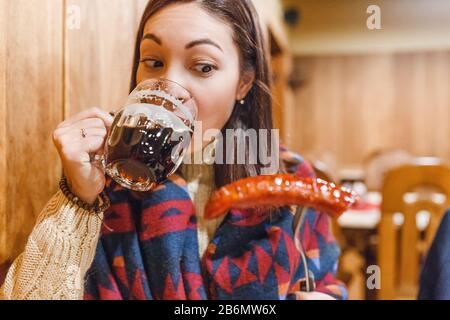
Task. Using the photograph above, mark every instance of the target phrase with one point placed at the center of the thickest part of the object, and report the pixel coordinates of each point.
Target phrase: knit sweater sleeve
(58, 254)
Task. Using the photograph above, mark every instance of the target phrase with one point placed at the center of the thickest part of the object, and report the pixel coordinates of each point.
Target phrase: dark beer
(142, 152)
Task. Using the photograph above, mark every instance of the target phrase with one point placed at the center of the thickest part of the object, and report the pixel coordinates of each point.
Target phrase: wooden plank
(3, 272)
(409, 255)
(3, 137)
(387, 253)
(31, 107)
(353, 105)
(278, 91)
(98, 55)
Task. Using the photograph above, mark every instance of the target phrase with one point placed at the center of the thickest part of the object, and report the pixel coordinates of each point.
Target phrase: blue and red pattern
(153, 251)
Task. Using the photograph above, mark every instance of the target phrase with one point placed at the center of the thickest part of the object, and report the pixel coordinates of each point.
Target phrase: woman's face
(186, 44)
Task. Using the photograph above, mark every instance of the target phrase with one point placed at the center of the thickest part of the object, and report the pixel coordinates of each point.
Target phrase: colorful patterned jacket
(153, 251)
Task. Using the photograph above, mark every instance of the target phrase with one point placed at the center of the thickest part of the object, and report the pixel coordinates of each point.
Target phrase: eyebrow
(190, 45)
(201, 42)
(151, 36)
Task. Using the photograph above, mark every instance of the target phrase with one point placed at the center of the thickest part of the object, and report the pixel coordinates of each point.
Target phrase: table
(366, 217)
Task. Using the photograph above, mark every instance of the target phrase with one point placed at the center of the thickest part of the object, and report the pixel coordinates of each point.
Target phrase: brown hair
(257, 111)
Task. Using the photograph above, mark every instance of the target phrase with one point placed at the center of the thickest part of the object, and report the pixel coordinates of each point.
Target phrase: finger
(84, 124)
(94, 132)
(74, 149)
(89, 123)
(94, 144)
(75, 136)
(90, 113)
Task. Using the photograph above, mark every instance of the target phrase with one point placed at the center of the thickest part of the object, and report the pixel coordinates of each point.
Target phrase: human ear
(245, 84)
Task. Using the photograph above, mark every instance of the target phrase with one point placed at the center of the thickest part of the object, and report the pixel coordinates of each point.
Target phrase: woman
(435, 275)
(157, 245)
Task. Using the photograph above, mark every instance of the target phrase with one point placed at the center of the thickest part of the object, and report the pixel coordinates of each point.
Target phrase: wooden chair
(378, 163)
(400, 249)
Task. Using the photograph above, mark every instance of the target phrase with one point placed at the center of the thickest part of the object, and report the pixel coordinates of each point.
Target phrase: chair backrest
(399, 251)
(380, 162)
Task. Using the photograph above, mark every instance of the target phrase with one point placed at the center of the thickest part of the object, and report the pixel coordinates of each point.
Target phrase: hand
(85, 179)
(299, 295)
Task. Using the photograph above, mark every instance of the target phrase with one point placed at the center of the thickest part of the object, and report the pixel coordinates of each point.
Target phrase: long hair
(256, 113)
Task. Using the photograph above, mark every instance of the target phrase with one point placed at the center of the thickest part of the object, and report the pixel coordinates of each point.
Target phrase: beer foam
(164, 95)
(156, 114)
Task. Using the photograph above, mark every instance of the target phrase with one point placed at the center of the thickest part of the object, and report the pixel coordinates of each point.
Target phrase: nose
(179, 92)
(179, 85)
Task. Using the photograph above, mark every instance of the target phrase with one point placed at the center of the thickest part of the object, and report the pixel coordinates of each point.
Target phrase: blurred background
(360, 91)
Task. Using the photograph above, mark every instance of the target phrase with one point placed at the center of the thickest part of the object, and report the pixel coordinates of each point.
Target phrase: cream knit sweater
(62, 245)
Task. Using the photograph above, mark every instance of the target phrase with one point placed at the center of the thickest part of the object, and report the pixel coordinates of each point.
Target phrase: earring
(242, 102)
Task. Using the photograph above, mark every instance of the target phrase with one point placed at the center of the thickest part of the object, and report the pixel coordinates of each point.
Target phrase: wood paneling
(3, 136)
(98, 56)
(353, 105)
(48, 72)
(31, 47)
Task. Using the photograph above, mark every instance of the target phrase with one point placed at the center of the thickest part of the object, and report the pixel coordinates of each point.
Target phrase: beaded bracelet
(95, 208)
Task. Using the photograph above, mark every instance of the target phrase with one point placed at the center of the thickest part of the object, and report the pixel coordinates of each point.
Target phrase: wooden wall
(48, 72)
(98, 57)
(31, 105)
(351, 105)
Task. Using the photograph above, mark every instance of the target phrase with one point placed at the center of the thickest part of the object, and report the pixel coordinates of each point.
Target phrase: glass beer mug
(150, 135)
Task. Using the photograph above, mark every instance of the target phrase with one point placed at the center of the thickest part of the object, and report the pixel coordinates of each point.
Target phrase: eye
(152, 63)
(205, 68)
